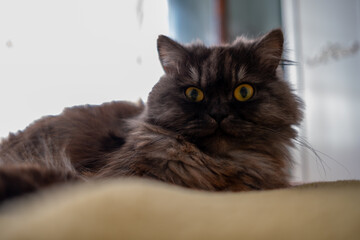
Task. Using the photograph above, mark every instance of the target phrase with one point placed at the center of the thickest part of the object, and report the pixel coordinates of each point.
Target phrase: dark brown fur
(216, 144)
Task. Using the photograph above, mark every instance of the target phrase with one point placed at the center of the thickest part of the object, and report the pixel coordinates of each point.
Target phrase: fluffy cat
(220, 119)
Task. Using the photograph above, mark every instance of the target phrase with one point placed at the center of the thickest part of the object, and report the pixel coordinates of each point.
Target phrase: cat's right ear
(171, 54)
(269, 48)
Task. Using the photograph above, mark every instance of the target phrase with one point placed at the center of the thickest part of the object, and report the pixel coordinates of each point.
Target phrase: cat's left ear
(171, 54)
(269, 49)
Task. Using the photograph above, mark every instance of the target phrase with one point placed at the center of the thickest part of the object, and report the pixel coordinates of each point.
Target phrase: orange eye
(194, 94)
(243, 92)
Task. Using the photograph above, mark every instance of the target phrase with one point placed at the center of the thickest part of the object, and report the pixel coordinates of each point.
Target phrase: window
(56, 54)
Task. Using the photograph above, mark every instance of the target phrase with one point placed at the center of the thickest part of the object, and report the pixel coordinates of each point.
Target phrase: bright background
(60, 53)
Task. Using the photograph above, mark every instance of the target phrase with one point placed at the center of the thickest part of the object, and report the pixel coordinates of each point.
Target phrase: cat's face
(231, 91)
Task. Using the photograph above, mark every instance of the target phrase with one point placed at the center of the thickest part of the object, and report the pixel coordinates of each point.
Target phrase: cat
(221, 118)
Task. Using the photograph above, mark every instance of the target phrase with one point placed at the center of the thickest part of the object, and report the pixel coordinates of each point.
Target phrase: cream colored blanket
(139, 209)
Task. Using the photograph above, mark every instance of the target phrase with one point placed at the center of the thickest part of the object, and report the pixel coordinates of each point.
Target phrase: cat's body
(221, 118)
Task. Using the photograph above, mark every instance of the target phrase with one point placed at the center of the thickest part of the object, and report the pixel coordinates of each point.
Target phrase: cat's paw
(19, 180)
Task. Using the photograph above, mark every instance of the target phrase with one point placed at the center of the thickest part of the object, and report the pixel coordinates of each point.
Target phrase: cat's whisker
(287, 62)
(324, 154)
(302, 142)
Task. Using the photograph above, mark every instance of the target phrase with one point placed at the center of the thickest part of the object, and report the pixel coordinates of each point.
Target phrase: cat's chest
(151, 142)
(220, 147)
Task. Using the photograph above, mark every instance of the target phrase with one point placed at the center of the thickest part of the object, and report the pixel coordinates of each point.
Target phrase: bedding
(141, 209)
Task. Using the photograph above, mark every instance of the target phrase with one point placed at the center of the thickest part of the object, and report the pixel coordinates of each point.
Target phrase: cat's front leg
(181, 163)
(17, 180)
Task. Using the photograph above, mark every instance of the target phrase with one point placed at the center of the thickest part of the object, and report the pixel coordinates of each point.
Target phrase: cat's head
(231, 91)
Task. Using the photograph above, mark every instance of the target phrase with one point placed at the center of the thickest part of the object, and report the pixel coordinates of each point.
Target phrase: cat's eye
(194, 94)
(243, 92)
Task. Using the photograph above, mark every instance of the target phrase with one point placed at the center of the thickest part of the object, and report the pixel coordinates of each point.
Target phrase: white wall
(326, 37)
(60, 53)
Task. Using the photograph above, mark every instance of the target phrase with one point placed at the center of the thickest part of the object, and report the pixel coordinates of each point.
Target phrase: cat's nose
(218, 117)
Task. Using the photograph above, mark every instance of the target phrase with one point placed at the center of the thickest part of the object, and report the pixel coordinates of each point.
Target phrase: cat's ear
(269, 49)
(171, 54)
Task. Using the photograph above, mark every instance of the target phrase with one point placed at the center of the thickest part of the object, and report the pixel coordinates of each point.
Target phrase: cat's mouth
(209, 128)
(214, 128)
(226, 128)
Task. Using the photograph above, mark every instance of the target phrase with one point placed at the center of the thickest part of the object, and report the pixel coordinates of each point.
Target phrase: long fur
(217, 144)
